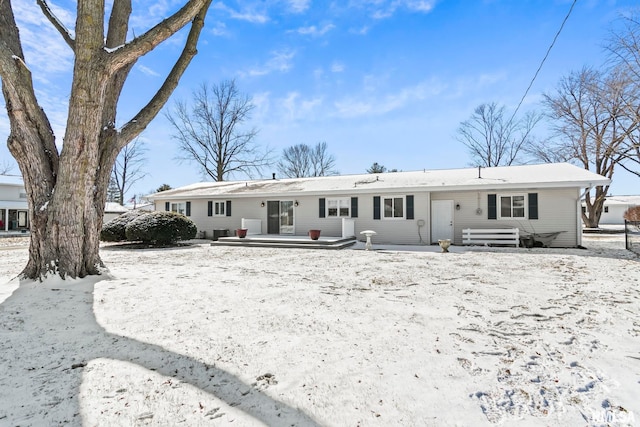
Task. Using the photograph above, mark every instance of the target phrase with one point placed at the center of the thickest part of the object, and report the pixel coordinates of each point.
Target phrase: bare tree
(5, 167)
(127, 170)
(494, 141)
(624, 45)
(592, 124)
(322, 162)
(295, 161)
(211, 132)
(302, 160)
(66, 189)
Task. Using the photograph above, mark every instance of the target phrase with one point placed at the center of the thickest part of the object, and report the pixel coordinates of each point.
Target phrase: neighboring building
(113, 210)
(402, 207)
(14, 208)
(615, 207)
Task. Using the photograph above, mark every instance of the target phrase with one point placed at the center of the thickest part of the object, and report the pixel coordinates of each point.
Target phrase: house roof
(12, 180)
(14, 204)
(115, 208)
(623, 200)
(551, 175)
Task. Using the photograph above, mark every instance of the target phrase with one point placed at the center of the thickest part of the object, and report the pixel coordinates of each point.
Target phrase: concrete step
(288, 242)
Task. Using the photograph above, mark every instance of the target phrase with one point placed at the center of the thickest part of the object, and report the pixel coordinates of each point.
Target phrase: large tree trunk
(67, 190)
(594, 207)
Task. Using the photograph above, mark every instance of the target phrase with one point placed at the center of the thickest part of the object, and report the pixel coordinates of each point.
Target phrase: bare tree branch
(295, 161)
(73, 184)
(211, 132)
(493, 142)
(145, 43)
(127, 170)
(5, 167)
(141, 120)
(57, 24)
(595, 117)
(301, 160)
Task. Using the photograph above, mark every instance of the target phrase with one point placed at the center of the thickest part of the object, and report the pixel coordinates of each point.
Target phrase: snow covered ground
(399, 336)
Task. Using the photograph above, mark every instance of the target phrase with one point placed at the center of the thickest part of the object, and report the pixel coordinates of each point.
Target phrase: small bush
(632, 214)
(161, 228)
(114, 230)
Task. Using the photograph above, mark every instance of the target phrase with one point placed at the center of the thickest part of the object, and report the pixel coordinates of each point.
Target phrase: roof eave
(360, 190)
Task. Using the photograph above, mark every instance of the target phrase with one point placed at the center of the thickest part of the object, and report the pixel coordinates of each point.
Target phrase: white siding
(557, 211)
(12, 193)
(615, 214)
(394, 231)
(240, 208)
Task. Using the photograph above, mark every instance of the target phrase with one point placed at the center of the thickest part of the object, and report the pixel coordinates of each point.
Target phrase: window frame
(219, 208)
(383, 212)
(339, 207)
(177, 207)
(524, 207)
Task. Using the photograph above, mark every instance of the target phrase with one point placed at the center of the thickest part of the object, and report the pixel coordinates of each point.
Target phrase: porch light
(457, 206)
(295, 203)
(262, 204)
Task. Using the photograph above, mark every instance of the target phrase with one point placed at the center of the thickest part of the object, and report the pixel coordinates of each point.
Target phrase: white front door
(441, 220)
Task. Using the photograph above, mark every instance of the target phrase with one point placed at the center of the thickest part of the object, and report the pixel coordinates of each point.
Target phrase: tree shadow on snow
(44, 349)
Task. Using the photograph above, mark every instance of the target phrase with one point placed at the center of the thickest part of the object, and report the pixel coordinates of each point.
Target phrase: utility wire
(526, 92)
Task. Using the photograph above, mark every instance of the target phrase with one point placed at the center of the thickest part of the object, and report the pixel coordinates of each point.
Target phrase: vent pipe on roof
(273, 175)
(479, 175)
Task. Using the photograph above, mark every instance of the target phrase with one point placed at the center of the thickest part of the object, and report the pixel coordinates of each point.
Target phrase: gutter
(496, 186)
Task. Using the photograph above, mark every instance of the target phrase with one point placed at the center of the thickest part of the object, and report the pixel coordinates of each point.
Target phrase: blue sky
(385, 81)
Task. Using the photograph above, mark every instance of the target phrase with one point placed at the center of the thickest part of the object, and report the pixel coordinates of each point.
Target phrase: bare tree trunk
(67, 191)
(594, 207)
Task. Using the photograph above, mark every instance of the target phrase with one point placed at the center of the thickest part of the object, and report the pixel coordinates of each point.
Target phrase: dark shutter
(167, 206)
(321, 208)
(209, 208)
(533, 205)
(354, 207)
(188, 209)
(228, 213)
(376, 207)
(492, 209)
(410, 207)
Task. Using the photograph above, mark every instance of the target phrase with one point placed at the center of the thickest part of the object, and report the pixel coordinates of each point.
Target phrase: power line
(526, 92)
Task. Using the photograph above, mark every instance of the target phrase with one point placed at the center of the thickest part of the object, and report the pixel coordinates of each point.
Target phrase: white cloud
(249, 15)
(362, 31)
(280, 61)
(294, 107)
(284, 110)
(299, 6)
(315, 31)
(219, 29)
(337, 67)
(420, 5)
(45, 51)
(373, 102)
(146, 70)
(382, 9)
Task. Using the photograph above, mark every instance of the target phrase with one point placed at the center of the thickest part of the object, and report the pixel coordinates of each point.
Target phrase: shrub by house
(160, 227)
(114, 230)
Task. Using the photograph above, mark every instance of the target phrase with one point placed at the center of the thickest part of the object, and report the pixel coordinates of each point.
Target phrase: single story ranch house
(14, 208)
(407, 208)
(615, 207)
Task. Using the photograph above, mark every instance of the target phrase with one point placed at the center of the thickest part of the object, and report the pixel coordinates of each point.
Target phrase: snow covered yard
(205, 335)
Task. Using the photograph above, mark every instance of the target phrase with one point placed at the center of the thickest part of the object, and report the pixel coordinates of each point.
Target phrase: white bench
(488, 236)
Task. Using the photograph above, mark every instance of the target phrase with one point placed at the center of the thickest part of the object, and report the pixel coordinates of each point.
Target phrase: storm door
(280, 217)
